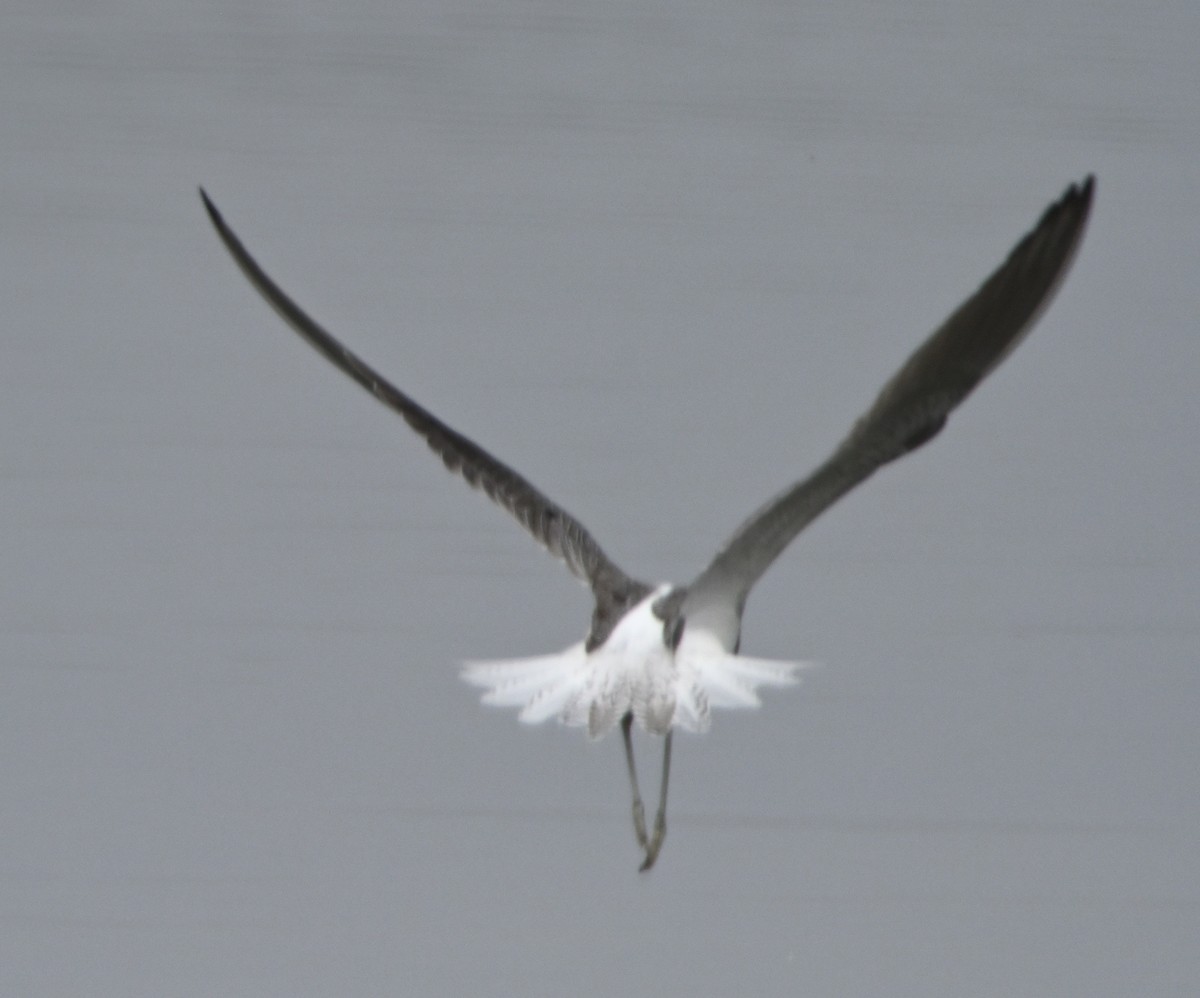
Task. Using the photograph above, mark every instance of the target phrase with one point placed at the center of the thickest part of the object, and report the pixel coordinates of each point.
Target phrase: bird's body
(634, 672)
(663, 656)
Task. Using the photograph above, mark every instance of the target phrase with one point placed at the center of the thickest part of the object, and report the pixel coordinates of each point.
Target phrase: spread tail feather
(582, 689)
(542, 686)
(733, 680)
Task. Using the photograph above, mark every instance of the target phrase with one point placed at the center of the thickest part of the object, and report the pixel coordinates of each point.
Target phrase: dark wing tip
(211, 208)
(1078, 198)
(1076, 202)
(218, 221)
(1067, 216)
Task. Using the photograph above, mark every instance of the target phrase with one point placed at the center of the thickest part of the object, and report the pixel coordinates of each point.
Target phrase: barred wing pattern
(553, 527)
(910, 410)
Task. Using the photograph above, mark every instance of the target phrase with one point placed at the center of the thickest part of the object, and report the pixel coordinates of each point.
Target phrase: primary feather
(664, 657)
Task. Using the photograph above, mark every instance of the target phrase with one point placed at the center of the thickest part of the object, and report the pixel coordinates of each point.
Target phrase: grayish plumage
(663, 656)
(553, 527)
(909, 411)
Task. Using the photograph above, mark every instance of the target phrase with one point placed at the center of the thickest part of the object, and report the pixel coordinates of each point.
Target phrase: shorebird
(666, 655)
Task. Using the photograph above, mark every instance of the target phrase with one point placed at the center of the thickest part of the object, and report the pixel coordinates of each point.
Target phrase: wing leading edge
(554, 528)
(909, 411)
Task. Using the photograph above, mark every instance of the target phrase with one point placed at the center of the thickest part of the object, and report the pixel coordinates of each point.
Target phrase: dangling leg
(660, 819)
(639, 812)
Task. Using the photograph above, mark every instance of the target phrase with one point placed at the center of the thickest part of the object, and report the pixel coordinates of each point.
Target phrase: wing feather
(910, 409)
(554, 528)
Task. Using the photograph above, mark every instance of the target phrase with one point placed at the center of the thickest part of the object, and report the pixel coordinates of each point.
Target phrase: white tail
(598, 689)
(542, 686)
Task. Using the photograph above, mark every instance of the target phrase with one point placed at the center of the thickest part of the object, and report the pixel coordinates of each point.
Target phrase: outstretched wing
(910, 410)
(552, 526)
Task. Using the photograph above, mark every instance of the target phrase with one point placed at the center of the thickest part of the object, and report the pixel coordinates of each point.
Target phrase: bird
(664, 656)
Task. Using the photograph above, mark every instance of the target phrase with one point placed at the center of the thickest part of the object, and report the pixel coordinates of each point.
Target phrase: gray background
(659, 256)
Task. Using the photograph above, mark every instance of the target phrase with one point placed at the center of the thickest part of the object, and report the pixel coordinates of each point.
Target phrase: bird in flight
(666, 655)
